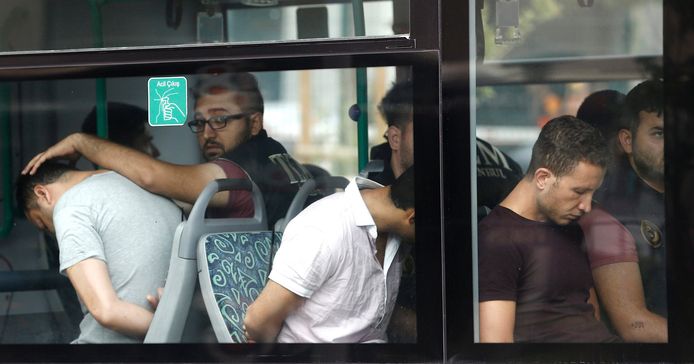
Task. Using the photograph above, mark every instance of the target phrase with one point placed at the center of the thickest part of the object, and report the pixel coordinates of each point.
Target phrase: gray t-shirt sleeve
(77, 236)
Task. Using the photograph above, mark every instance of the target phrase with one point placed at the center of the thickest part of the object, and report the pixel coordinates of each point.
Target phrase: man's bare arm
(621, 294)
(266, 315)
(180, 182)
(497, 320)
(93, 285)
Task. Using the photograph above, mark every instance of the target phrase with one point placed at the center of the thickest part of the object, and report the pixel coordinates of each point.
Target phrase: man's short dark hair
(125, 122)
(646, 96)
(402, 190)
(564, 142)
(396, 105)
(47, 173)
(603, 110)
(244, 84)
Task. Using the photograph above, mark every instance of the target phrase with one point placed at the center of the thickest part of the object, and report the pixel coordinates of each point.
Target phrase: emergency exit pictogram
(168, 100)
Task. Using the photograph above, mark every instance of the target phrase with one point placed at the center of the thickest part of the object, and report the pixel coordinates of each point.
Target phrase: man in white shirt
(336, 275)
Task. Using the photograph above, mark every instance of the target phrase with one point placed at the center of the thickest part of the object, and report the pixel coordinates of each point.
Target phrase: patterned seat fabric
(238, 266)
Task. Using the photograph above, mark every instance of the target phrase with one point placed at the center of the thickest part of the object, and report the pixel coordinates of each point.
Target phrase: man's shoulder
(499, 217)
(494, 229)
(329, 217)
(625, 195)
(258, 147)
(328, 211)
(91, 188)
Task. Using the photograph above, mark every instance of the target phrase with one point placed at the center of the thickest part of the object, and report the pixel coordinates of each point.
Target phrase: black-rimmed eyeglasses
(215, 122)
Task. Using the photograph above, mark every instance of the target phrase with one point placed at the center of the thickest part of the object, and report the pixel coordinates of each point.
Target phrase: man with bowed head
(335, 277)
(535, 281)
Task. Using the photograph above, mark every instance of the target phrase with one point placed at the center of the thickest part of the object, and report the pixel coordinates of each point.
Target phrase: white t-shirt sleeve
(77, 236)
(304, 259)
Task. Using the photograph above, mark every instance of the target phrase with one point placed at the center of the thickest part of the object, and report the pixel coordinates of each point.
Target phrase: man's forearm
(259, 329)
(126, 318)
(179, 182)
(265, 317)
(646, 327)
(620, 289)
(133, 164)
(183, 183)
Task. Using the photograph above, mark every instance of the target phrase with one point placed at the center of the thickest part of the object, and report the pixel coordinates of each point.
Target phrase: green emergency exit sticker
(168, 100)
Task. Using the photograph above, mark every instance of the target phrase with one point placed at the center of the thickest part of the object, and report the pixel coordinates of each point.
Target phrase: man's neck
(521, 200)
(395, 164)
(656, 185)
(67, 181)
(75, 177)
(381, 242)
(377, 201)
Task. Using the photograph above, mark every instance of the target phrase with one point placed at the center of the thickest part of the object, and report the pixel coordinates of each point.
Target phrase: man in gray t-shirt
(115, 244)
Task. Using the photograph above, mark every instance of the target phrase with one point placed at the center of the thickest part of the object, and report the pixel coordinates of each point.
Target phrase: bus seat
(324, 186)
(315, 170)
(482, 212)
(373, 166)
(234, 268)
(233, 265)
(170, 316)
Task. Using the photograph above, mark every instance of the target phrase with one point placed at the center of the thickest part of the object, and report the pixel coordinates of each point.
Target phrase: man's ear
(543, 178)
(394, 137)
(410, 215)
(43, 195)
(624, 136)
(256, 123)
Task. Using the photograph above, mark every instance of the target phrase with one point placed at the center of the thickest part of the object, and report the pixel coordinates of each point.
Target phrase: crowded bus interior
(215, 180)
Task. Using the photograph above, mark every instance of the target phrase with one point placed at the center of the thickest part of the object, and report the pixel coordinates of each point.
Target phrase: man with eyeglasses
(228, 123)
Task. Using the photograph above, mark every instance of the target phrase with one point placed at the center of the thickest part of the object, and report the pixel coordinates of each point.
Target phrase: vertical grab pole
(5, 152)
(362, 95)
(101, 112)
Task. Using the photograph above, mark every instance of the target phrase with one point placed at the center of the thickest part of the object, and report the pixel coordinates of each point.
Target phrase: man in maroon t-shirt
(535, 281)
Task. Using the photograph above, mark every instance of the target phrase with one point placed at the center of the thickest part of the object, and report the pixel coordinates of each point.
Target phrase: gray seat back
(233, 265)
(171, 314)
(325, 185)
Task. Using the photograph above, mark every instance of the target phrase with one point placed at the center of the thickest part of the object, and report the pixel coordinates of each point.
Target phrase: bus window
(304, 111)
(564, 99)
(75, 24)
(622, 27)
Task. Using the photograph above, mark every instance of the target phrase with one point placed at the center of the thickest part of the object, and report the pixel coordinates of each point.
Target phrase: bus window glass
(75, 24)
(605, 28)
(302, 111)
(570, 173)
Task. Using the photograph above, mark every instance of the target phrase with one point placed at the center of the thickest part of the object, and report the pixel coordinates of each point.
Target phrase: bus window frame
(458, 191)
(152, 62)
